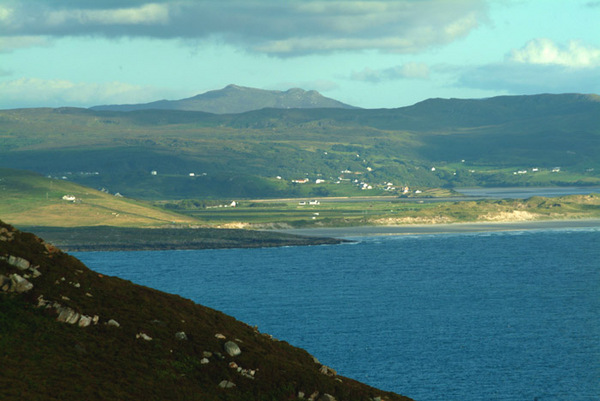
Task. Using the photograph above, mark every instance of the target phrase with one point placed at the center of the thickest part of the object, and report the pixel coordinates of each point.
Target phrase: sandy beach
(410, 229)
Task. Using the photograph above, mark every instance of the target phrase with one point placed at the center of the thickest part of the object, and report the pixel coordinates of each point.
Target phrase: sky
(367, 53)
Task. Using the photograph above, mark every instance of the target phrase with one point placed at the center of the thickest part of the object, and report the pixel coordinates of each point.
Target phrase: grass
(385, 211)
(30, 199)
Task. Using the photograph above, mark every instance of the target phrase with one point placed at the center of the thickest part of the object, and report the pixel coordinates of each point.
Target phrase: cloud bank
(546, 52)
(405, 71)
(34, 92)
(267, 26)
(540, 66)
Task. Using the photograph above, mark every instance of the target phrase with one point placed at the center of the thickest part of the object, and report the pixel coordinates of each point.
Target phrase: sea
(510, 315)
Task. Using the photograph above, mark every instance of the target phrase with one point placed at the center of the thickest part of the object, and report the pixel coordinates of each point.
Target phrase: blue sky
(370, 53)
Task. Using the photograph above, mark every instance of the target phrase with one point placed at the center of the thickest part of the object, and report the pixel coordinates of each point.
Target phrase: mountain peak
(297, 90)
(234, 99)
(234, 87)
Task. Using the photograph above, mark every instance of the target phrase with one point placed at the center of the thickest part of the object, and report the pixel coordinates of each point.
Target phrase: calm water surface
(475, 316)
(526, 192)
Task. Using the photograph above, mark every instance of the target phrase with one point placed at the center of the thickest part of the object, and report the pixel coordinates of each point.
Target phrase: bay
(526, 192)
(462, 316)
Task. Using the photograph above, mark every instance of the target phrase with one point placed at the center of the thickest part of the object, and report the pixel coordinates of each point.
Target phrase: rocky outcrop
(326, 370)
(17, 282)
(67, 314)
(232, 348)
(181, 336)
(25, 268)
(226, 384)
(19, 263)
(143, 336)
(14, 283)
(85, 321)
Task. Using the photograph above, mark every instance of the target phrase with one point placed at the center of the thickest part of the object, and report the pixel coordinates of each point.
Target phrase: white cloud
(406, 71)
(268, 26)
(5, 14)
(34, 92)
(147, 14)
(10, 43)
(540, 66)
(546, 52)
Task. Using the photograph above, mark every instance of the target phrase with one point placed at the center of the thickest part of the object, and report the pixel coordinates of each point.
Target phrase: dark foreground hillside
(69, 333)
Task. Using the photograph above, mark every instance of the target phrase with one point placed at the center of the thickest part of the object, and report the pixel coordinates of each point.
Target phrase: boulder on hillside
(14, 283)
(232, 348)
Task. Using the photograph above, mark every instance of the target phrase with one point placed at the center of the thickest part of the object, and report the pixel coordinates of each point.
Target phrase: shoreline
(85, 239)
(444, 228)
(106, 238)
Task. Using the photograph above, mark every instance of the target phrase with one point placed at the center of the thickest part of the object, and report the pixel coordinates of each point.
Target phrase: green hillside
(30, 199)
(69, 333)
(99, 220)
(95, 220)
(502, 141)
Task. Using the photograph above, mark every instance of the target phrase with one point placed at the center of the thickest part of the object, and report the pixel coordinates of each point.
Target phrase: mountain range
(238, 99)
(308, 152)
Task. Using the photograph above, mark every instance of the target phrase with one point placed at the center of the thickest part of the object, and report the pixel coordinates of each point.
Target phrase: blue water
(484, 316)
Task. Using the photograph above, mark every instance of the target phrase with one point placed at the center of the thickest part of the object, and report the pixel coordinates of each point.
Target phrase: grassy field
(392, 211)
(31, 199)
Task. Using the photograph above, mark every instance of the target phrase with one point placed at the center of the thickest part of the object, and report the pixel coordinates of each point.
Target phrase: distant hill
(69, 333)
(543, 140)
(238, 99)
